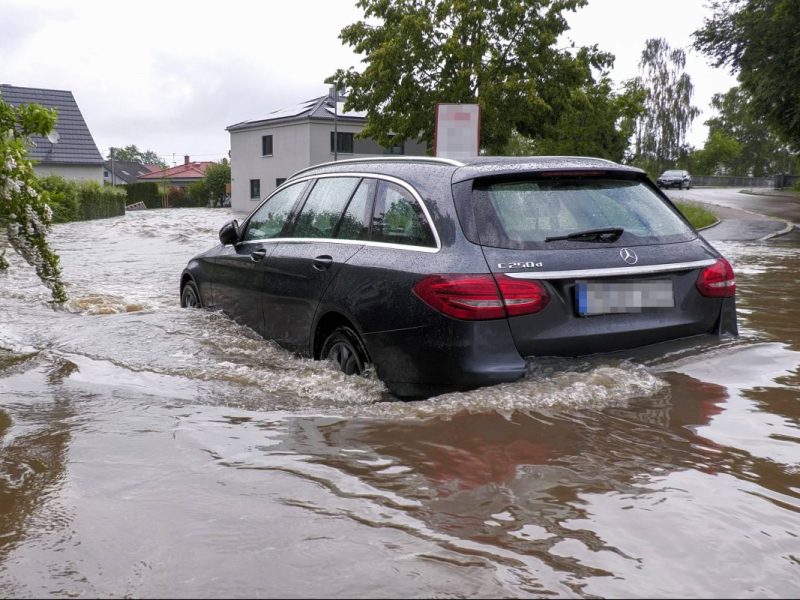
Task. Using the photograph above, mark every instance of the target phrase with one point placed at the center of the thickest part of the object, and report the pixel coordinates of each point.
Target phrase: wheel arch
(326, 324)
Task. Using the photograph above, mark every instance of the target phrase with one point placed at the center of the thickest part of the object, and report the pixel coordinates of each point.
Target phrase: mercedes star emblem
(629, 256)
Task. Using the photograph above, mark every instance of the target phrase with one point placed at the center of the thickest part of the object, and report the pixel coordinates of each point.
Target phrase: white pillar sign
(457, 130)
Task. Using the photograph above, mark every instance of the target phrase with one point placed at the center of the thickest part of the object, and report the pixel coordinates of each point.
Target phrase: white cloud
(170, 76)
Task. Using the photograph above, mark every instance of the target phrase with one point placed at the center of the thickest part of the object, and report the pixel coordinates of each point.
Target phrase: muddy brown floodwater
(152, 451)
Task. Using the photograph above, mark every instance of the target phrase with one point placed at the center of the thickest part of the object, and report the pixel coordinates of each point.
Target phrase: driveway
(749, 215)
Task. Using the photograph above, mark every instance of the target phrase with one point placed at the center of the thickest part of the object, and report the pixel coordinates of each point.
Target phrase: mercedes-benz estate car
(675, 178)
(448, 275)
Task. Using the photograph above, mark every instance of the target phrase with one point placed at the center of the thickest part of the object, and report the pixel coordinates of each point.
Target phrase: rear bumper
(447, 355)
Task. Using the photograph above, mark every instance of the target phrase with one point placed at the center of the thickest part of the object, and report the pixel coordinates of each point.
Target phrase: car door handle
(257, 255)
(322, 263)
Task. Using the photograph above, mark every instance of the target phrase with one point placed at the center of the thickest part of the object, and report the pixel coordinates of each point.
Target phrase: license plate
(596, 298)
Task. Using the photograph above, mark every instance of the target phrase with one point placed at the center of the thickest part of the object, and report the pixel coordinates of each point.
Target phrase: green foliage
(187, 198)
(100, 202)
(500, 54)
(82, 201)
(216, 179)
(760, 150)
(198, 191)
(24, 212)
(63, 198)
(144, 191)
(133, 154)
(758, 39)
(660, 140)
(595, 121)
(698, 216)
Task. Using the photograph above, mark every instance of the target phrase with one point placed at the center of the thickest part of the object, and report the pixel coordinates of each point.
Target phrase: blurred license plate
(596, 298)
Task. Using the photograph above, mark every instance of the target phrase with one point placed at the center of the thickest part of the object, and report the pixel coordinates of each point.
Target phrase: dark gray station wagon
(447, 275)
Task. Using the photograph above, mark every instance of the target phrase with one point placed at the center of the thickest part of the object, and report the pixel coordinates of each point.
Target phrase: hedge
(82, 201)
(144, 191)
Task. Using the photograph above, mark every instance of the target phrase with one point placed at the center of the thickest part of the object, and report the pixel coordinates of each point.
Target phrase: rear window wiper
(606, 234)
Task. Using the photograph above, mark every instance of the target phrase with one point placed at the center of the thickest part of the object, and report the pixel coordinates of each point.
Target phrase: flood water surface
(151, 451)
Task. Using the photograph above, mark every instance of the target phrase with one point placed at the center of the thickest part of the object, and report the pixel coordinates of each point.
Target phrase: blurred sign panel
(457, 130)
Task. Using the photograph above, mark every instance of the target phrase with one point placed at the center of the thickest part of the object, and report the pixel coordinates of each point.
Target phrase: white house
(264, 152)
(70, 150)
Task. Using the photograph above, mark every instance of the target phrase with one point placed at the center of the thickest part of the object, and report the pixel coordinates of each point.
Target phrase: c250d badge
(519, 265)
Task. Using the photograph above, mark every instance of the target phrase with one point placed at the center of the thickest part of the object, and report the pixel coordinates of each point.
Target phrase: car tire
(190, 297)
(345, 349)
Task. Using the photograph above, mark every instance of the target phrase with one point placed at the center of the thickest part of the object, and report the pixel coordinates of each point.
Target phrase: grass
(698, 216)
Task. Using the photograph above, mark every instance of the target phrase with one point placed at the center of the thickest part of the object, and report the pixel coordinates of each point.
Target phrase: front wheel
(345, 349)
(190, 297)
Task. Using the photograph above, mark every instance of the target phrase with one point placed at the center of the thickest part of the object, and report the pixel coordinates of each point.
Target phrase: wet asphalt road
(750, 215)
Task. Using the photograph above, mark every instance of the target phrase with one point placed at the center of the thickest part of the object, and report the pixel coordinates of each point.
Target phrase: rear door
(303, 266)
(619, 263)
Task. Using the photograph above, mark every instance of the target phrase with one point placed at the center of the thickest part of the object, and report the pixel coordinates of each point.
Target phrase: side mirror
(229, 233)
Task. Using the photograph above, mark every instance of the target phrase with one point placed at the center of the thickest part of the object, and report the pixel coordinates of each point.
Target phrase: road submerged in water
(152, 451)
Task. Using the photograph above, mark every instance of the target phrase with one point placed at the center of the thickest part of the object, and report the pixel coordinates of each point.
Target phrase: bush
(98, 202)
(82, 201)
(62, 198)
(183, 198)
(144, 191)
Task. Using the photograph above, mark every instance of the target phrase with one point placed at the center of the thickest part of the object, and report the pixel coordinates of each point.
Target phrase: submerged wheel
(190, 297)
(344, 348)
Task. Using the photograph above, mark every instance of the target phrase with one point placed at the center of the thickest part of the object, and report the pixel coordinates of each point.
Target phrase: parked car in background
(449, 275)
(675, 178)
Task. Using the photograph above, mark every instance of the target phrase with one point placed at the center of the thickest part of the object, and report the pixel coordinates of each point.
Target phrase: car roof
(465, 169)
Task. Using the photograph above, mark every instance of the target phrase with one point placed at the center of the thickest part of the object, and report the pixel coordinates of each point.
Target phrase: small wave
(547, 386)
(103, 304)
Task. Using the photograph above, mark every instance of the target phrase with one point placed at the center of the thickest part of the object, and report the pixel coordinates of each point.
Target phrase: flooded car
(448, 275)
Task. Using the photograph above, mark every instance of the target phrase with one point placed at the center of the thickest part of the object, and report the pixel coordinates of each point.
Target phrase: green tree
(719, 155)
(761, 150)
(594, 121)
(758, 39)
(24, 213)
(660, 140)
(500, 54)
(216, 179)
(133, 154)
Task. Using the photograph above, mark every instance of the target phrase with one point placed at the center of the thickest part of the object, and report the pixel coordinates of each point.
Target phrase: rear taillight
(717, 281)
(481, 297)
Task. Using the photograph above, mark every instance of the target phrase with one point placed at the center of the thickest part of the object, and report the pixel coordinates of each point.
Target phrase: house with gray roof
(266, 151)
(123, 172)
(70, 153)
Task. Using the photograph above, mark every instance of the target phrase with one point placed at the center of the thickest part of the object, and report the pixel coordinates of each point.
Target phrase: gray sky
(170, 76)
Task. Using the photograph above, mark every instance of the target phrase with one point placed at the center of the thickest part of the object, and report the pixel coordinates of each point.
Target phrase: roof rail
(410, 159)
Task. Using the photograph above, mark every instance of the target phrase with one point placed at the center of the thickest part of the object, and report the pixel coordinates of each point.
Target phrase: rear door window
(523, 214)
(355, 222)
(324, 206)
(270, 218)
(398, 219)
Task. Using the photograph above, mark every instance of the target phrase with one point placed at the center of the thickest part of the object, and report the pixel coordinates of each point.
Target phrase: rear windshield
(523, 214)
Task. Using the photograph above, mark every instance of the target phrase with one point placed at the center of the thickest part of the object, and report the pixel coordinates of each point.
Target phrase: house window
(396, 149)
(279, 181)
(345, 145)
(255, 189)
(105, 174)
(266, 145)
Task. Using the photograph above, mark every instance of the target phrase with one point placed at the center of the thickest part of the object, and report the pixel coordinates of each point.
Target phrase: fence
(777, 182)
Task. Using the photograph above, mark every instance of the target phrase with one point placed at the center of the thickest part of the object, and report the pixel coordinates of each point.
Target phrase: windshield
(549, 212)
(673, 173)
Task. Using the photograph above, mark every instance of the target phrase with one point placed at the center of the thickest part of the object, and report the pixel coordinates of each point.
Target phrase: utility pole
(113, 176)
(335, 120)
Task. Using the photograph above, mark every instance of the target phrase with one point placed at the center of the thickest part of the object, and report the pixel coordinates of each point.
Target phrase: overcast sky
(170, 76)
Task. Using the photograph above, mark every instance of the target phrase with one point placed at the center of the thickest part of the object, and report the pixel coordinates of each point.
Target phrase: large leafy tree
(133, 154)
(660, 140)
(758, 39)
(25, 216)
(500, 54)
(759, 152)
